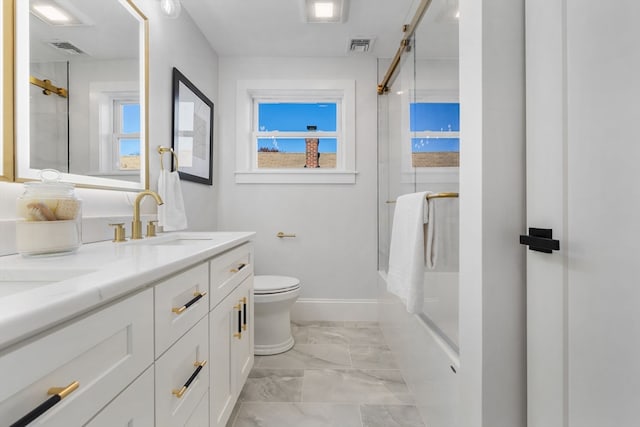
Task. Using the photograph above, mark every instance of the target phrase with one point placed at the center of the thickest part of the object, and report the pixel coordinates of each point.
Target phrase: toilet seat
(268, 285)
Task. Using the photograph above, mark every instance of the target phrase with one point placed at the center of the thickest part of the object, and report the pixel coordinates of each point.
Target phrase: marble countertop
(38, 293)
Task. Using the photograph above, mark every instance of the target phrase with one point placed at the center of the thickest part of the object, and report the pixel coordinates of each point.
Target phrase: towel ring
(162, 150)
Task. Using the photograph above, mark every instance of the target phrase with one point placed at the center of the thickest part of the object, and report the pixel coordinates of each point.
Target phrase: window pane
(431, 145)
(129, 154)
(292, 117)
(435, 152)
(130, 118)
(287, 153)
(434, 116)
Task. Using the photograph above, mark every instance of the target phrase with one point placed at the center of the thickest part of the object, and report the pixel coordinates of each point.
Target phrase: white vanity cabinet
(231, 332)
(163, 354)
(104, 352)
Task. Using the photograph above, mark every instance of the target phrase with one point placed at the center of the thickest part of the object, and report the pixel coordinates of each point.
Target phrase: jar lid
(50, 182)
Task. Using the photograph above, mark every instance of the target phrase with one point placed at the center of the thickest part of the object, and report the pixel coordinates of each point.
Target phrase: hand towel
(171, 214)
(430, 234)
(407, 251)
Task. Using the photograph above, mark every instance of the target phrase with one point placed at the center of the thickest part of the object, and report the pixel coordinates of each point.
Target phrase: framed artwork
(192, 131)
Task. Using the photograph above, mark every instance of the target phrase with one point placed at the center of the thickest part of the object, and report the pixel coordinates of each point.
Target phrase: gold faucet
(136, 225)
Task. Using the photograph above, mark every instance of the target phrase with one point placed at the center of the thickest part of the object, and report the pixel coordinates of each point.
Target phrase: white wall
(492, 214)
(172, 43)
(334, 253)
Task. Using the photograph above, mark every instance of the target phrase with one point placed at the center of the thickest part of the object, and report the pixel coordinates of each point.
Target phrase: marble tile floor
(338, 374)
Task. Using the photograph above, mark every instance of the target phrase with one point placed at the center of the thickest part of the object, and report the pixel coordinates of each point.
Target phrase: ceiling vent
(360, 45)
(65, 46)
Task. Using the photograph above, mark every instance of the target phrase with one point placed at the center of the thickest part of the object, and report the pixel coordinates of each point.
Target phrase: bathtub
(425, 346)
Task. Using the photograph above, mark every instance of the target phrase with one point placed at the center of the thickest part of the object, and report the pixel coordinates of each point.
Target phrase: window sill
(285, 176)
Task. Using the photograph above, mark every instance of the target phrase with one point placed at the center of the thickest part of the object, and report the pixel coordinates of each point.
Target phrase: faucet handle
(151, 228)
(119, 233)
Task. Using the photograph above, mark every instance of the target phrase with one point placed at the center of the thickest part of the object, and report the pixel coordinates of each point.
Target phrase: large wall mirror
(6, 88)
(81, 88)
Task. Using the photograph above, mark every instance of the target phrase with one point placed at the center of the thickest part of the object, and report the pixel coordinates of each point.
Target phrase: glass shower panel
(422, 106)
(49, 132)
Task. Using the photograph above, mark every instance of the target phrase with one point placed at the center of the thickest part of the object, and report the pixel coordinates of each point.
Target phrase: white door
(583, 182)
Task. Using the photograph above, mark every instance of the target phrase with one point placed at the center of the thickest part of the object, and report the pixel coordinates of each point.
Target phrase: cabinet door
(242, 349)
(103, 352)
(221, 329)
(133, 408)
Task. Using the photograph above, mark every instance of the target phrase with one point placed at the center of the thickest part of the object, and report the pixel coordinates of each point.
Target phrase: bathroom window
(114, 117)
(435, 134)
(296, 131)
(126, 135)
(296, 134)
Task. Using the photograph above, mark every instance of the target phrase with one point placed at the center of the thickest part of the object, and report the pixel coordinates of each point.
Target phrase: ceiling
(276, 28)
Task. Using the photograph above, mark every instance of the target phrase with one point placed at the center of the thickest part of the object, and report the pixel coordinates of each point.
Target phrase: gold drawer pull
(244, 313)
(183, 390)
(197, 296)
(240, 267)
(58, 393)
(239, 333)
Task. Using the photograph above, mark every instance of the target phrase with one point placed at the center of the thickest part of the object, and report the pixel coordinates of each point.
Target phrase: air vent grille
(67, 47)
(359, 45)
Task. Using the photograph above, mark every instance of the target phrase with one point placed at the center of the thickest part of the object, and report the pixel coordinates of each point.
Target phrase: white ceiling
(277, 28)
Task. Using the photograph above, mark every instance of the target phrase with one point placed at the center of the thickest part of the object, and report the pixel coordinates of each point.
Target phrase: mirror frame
(6, 164)
(23, 172)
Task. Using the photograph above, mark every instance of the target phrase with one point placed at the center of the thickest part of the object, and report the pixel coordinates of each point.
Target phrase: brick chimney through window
(312, 158)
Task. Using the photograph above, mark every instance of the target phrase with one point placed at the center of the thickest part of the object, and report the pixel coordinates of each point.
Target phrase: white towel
(430, 234)
(407, 250)
(171, 214)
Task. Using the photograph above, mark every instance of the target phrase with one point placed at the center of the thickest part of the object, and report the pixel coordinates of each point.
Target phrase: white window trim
(342, 91)
(103, 154)
(409, 174)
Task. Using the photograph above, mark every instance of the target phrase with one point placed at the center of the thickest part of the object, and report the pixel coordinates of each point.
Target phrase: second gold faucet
(136, 224)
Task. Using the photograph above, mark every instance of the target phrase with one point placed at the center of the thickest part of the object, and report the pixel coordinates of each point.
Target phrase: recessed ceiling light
(324, 11)
(51, 13)
(54, 13)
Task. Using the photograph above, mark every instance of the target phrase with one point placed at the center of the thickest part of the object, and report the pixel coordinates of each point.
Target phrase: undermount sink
(13, 281)
(181, 239)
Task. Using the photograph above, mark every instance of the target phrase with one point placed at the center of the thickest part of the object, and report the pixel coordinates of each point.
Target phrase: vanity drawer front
(228, 270)
(104, 352)
(180, 302)
(133, 408)
(177, 368)
(200, 416)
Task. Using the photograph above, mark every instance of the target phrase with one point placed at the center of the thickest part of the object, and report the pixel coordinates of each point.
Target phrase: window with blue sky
(435, 134)
(284, 127)
(127, 135)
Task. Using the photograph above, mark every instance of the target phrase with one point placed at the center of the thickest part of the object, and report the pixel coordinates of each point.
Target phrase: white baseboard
(356, 310)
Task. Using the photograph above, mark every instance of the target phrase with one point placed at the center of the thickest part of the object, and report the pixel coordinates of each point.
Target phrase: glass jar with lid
(49, 217)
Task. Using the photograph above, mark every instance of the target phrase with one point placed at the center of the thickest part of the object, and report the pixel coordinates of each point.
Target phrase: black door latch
(540, 239)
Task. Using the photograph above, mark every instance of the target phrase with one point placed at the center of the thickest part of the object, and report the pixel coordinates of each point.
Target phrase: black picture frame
(192, 124)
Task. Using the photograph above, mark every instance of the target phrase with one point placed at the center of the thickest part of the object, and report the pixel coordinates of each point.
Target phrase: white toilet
(273, 298)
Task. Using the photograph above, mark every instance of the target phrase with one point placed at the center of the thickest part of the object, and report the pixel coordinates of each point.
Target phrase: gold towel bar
(47, 87)
(162, 150)
(434, 196)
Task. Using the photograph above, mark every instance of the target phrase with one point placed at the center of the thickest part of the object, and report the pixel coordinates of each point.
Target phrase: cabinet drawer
(103, 352)
(228, 270)
(200, 416)
(133, 408)
(179, 368)
(180, 302)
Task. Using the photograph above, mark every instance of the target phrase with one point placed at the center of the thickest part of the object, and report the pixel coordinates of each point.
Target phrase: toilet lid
(274, 284)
